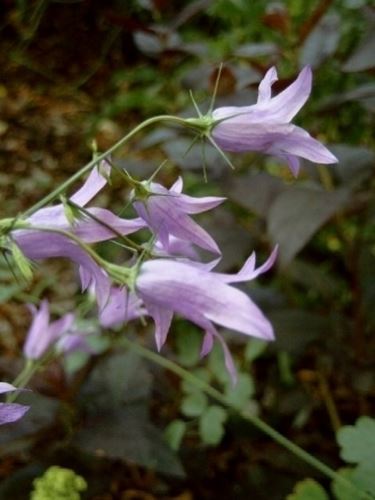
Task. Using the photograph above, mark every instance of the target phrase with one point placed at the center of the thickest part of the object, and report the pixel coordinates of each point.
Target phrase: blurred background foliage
(75, 71)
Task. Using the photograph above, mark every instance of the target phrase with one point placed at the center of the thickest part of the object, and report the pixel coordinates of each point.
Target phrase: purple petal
(176, 246)
(93, 184)
(41, 245)
(59, 327)
(92, 231)
(264, 89)
(284, 106)
(248, 271)
(73, 342)
(6, 387)
(162, 318)
(11, 412)
(177, 186)
(199, 296)
(38, 337)
(245, 135)
(121, 307)
(164, 217)
(300, 143)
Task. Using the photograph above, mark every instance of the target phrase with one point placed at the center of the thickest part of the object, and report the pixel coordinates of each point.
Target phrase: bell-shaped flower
(10, 412)
(203, 297)
(166, 212)
(44, 334)
(103, 225)
(265, 126)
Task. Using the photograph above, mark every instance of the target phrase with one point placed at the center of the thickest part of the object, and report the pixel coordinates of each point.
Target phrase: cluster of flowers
(168, 277)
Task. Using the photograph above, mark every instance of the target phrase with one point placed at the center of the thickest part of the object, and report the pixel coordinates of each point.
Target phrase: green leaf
(211, 425)
(202, 374)
(364, 476)
(254, 348)
(240, 394)
(340, 491)
(174, 433)
(188, 344)
(358, 442)
(217, 365)
(308, 489)
(194, 404)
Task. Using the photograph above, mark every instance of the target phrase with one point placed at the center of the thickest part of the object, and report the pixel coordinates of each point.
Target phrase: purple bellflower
(203, 297)
(265, 126)
(39, 244)
(10, 412)
(44, 335)
(89, 230)
(166, 213)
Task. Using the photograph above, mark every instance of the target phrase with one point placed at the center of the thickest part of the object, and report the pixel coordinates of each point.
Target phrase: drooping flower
(166, 212)
(265, 126)
(203, 297)
(103, 224)
(43, 334)
(10, 412)
(38, 244)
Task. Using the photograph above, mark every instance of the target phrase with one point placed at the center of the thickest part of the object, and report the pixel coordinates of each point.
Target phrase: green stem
(59, 190)
(257, 422)
(23, 378)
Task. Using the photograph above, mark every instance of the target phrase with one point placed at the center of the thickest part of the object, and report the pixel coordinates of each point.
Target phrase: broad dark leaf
(295, 329)
(115, 402)
(363, 56)
(256, 192)
(321, 42)
(355, 163)
(297, 214)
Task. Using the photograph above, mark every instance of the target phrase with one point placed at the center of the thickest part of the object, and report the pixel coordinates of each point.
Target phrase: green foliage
(340, 491)
(358, 441)
(58, 483)
(211, 425)
(308, 489)
(357, 446)
(174, 433)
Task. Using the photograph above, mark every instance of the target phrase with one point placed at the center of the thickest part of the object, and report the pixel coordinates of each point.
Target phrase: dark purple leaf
(297, 214)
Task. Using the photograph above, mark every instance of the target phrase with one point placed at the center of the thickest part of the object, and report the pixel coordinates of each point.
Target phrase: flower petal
(38, 337)
(284, 106)
(93, 184)
(92, 231)
(11, 412)
(248, 271)
(264, 89)
(162, 318)
(121, 307)
(300, 143)
(198, 295)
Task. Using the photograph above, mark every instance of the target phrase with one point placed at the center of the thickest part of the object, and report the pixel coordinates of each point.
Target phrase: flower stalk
(256, 421)
(98, 158)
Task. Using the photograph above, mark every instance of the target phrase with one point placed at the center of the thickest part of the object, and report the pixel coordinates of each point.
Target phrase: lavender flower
(265, 126)
(39, 244)
(166, 212)
(43, 334)
(102, 226)
(203, 297)
(10, 412)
